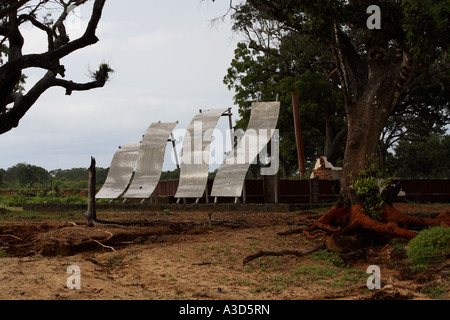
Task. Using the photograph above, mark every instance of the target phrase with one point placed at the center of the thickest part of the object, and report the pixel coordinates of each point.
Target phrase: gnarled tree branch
(59, 46)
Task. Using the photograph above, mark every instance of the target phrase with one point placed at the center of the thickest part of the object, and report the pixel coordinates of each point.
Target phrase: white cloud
(156, 39)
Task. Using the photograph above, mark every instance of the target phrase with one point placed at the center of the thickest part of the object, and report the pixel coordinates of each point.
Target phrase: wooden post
(91, 214)
(298, 135)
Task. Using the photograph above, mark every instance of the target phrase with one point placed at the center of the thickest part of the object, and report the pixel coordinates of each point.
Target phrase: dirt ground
(196, 256)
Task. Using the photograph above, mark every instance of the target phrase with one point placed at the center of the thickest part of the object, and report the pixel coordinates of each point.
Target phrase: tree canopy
(26, 176)
(423, 158)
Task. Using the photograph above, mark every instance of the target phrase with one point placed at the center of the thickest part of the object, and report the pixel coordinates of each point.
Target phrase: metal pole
(175, 151)
(230, 123)
(298, 135)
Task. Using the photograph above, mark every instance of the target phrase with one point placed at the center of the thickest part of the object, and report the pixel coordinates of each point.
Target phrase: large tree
(27, 175)
(377, 68)
(14, 16)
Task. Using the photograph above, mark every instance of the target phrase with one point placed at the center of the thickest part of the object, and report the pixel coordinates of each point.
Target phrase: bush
(429, 245)
(3, 253)
(43, 197)
(76, 199)
(366, 187)
(15, 201)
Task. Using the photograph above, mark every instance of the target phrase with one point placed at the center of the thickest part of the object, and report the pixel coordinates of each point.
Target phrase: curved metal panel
(195, 154)
(230, 177)
(150, 161)
(120, 171)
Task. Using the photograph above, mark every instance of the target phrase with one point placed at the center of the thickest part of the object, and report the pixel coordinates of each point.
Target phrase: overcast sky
(169, 62)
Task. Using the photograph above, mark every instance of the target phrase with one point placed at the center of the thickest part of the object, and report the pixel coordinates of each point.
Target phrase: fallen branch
(11, 236)
(202, 264)
(396, 285)
(110, 235)
(282, 253)
(289, 232)
(98, 242)
(444, 267)
(11, 246)
(212, 221)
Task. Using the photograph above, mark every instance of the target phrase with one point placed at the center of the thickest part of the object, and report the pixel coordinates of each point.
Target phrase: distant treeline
(24, 175)
(27, 176)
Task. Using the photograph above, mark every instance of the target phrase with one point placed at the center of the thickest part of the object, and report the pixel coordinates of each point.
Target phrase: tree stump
(91, 214)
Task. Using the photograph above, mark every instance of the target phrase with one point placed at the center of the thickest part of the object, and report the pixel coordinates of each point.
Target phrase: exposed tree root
(100, 223)
(342, 220)
(104, 246)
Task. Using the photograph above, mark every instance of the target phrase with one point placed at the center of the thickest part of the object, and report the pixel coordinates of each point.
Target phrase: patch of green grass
(435, 292)
(262, 264)
(19, 200)
(399, 245)
(315, 272)
(330, 257)
(329, 276)
(19, 214)
(3, 253)
(252, 245)
(354, 276)
(114, 262)
(171, 278)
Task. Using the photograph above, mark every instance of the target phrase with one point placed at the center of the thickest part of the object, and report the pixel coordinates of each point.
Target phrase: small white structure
(325, 170)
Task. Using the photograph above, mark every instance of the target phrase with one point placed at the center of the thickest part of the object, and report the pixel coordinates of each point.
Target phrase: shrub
(3, 253)
(15, 201)
(429, 245)
(76, 199)
(366, 187)
(330, 256)
(52, 194)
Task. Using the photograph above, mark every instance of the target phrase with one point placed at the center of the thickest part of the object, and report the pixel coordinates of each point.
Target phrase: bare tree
(14, 15)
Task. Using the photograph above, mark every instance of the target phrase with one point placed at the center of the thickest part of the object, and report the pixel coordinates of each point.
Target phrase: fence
(268, 190)
(315, 190)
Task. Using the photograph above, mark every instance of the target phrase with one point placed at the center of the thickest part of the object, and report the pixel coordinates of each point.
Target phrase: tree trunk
(91, 214)
(364, 128)
(333, 145)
